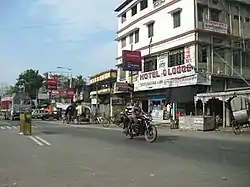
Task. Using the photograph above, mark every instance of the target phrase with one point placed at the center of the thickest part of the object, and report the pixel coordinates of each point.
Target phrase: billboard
(131, 60)
(51, 84)
(70, 93)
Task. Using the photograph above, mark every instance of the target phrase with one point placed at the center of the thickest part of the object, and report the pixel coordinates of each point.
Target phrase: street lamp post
(70, 70)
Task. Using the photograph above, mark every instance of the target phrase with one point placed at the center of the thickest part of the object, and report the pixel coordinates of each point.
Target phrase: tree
(30, 81)
(10, 90)
(79, 83)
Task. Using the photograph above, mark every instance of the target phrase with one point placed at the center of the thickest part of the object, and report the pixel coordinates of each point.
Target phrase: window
(236, 58)
(219, 52)
(131, 38)
(123, 17)
(217, 40)
(202, 55)
(177, 19)
(123, 41)
(176, 57)
(122, 74)
(247, 19)
(214, 15)
(150, 64)
(236, 17)
(134, 10)
(246, 59)
(150, 30)
(137, 36)
(200, 13)
(144, 4)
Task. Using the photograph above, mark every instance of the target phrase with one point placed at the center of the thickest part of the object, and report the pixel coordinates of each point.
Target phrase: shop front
(171, 84)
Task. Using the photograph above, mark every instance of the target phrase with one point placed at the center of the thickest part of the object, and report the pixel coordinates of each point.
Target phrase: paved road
(69, 156)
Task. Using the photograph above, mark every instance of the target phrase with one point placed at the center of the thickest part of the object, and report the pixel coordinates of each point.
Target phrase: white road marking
(36, 141)
(8, 127)
(34, 127)
(2, 128)
(42, 140)
(15, 127)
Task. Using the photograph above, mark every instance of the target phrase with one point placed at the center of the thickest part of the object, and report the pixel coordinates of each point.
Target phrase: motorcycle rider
(128, 113)
(137, 112)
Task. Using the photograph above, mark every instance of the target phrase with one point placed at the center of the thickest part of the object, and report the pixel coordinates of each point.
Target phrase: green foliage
(79, 83)
(10, 90)
(30, 81)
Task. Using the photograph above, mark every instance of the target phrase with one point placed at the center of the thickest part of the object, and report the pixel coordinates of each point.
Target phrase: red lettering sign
(165, 72)
(180, 69)
(149, 75)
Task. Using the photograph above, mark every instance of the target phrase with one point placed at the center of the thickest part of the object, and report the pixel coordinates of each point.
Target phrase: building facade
(101, 91)
(188, 47)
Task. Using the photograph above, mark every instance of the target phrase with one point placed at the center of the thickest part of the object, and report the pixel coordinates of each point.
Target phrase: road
(65, 156)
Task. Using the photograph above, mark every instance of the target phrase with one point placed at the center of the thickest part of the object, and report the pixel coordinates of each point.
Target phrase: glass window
(176, 57)
(144, 4)
(134, 10)
(177, 19)
(123, 42)
(137, 36)
(150, 64)
(151, 30)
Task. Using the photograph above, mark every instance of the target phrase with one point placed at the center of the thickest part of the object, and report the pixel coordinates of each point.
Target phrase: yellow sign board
(102, 77)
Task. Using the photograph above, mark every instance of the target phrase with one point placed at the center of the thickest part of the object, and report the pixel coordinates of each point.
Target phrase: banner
(51, 84)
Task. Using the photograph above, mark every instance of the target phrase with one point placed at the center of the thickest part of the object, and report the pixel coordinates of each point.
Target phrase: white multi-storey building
(188, 47)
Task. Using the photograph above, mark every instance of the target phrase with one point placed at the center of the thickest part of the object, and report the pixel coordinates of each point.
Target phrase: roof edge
(123, 5)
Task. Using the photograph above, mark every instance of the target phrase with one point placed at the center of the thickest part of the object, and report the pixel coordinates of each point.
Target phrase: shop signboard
(159, 83)
(162, 61)
(51, 84)
(117, 101)
(124, 87)
(131, 60)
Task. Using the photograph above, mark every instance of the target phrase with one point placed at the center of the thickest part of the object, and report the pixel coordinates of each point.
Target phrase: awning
(183, 94)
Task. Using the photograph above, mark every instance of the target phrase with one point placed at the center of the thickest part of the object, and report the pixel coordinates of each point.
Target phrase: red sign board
(51, 84)
(70, 93)
(132, 60)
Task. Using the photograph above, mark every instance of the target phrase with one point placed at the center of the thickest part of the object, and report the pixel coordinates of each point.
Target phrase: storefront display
(156, 107)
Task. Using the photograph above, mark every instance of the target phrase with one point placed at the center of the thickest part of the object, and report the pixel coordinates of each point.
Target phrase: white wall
(163, 27)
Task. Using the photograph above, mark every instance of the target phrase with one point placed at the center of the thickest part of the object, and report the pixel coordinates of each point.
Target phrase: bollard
(28, 126)
(22, 123)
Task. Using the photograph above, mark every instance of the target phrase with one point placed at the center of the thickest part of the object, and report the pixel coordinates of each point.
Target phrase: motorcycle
(145, 128)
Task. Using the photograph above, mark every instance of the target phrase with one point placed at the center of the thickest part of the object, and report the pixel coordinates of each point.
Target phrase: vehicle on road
(240, 108)
(13, 105)
(51, 115)
(38, 113)
(145, 128)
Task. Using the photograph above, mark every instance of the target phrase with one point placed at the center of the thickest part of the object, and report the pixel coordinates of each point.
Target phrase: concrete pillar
(174, 109)
(224, 113)
(227, 117)
(110, 107)
(203, 107)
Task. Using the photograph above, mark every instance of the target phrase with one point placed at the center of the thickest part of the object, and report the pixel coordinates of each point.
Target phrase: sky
(45, 34)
